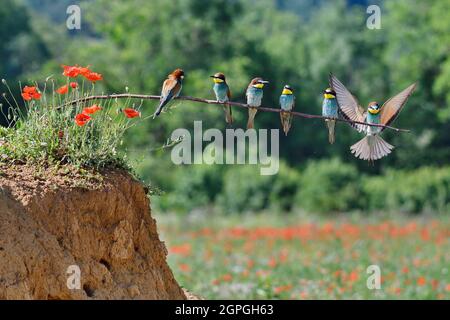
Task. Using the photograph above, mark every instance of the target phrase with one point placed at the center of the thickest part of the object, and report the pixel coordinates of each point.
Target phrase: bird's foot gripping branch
(65, 120)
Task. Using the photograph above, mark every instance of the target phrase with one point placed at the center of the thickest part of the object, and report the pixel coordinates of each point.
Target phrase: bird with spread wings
(372, 146)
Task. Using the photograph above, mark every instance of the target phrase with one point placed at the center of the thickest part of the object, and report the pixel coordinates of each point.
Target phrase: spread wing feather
(392, 107)
(348, 105)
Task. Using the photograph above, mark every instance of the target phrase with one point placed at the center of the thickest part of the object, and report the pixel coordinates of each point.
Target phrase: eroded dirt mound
(50, 221)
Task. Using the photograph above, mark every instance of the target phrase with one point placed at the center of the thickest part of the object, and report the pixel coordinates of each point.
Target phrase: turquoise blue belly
(286, 101)
(254, 97)
(330, 108)
(221, 91)
(375, 119)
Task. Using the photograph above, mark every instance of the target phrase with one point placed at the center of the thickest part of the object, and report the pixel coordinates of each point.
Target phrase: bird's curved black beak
(212, 76)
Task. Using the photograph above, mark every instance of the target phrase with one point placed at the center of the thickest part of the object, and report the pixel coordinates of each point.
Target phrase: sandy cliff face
(47, 225)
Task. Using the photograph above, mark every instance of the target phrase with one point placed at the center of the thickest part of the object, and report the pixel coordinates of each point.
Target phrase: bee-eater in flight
(372, 147)
(223, 94)
(287, 101)
(330, 109)
(171, 89)
(254, 96)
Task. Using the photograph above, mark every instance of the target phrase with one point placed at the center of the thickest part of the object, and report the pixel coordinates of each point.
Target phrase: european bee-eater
(287, 101)
(223, 94)
(254, 96)
(171, 89)
(372, 147)
(330, 109)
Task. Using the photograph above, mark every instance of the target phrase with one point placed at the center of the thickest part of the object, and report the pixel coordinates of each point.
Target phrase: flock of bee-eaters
(338, 102)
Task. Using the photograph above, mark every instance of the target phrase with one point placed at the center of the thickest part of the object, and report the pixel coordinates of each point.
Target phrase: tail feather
(331, 125)
(157, 112)
(371, 148)
(251, 117)
(379, 149)
(228, 114)
(161, 105)
(386, 147)
(286, 121)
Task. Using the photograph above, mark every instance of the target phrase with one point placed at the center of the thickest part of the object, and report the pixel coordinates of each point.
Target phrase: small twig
(231, 103)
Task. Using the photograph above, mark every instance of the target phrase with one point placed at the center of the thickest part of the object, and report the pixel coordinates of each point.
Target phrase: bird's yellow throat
(328, 96)
(258, 85)
(217, 80)
(373, 111)
(286, 91)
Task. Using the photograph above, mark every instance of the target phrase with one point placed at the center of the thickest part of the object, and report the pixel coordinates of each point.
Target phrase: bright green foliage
(426, 189)
(284, 188)
(195, 188)
(22, 49)
(329, 185)
(244, 189)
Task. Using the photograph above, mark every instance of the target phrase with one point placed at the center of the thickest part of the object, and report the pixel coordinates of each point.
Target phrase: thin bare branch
(231, 103)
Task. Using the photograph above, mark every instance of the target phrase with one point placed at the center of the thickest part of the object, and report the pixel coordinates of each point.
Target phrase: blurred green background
(137, 43)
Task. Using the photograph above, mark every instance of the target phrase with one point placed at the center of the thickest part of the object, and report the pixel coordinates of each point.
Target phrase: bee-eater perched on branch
(171, 89)
(330, 109)
(372, 147)
(223, 94)
(254, 97)
(287, 101)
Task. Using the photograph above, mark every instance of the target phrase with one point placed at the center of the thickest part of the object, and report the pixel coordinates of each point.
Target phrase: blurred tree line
(137, 43)
(22, 49)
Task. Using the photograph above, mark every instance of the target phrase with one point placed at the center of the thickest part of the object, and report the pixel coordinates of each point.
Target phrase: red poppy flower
(131, 113)
(28, 89)
(71, 71)
(353, 276)
(272, 263)
(29, 93)
(73, 85)
(282, 289)
(74, 71)
(227, 277)
(63, 90)
(81, 119)
(183, 249)
(26, 96)
(84, 70)
(91, 110)
(93, 76)
(184, 267)
(421, 281)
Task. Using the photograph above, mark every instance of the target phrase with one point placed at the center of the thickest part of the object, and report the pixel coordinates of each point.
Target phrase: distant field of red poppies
(262, 256)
